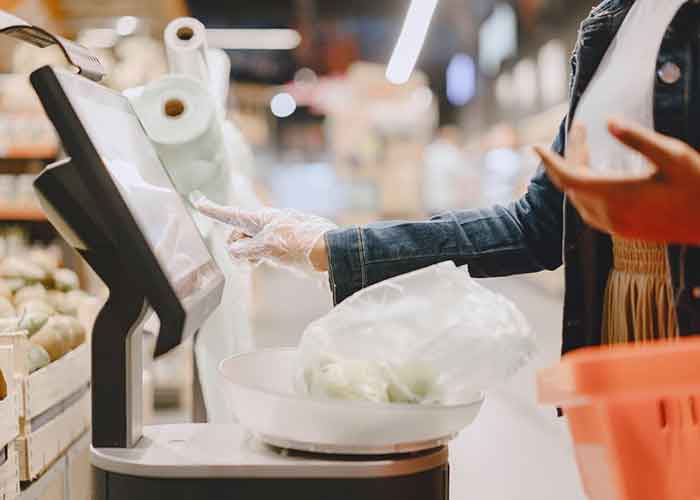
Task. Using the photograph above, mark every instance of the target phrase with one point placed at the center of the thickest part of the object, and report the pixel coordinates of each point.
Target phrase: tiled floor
(516, 450)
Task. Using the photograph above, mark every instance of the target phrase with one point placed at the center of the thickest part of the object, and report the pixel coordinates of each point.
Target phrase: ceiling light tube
(415, 29)
(253, 39)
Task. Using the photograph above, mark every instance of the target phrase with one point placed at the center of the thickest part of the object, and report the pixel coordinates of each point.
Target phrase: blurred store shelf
(542, 127)
(42, 153)
(10, 212)
(76, 13)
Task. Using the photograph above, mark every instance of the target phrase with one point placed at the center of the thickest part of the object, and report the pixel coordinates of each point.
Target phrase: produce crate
(79, 473)
(52, 485)
(54, 404)
(9, 472)
(39, 447)
(50, 386)
(9, 429)
(9, 407)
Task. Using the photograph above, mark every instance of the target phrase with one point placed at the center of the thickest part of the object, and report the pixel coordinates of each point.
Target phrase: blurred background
(333, 135)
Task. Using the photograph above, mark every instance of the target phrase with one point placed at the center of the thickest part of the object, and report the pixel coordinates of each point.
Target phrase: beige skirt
(638, 298)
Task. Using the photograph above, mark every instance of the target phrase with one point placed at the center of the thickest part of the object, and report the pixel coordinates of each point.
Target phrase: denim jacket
(542, 230)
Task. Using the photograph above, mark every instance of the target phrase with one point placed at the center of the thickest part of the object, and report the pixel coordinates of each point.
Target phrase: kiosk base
(206, 461)
(428, 485)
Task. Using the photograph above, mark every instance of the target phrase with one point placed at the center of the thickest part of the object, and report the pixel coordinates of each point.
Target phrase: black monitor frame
(123, 230)
(116, 387)
(84, 198)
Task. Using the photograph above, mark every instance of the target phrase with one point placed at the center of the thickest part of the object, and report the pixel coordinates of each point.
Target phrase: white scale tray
(266, 403)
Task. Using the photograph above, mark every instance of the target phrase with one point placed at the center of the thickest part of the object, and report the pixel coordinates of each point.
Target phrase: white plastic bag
(433, 336)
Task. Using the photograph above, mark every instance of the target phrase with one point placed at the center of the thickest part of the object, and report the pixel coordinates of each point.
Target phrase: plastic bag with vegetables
(433, 336)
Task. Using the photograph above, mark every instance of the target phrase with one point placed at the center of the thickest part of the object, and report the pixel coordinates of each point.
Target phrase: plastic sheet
(433, 336)
(183, 115)
(181, 120)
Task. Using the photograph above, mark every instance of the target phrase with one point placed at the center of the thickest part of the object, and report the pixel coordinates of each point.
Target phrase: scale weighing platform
(112, 200)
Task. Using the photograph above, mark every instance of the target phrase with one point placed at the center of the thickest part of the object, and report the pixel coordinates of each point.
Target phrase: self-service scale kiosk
(113, 201)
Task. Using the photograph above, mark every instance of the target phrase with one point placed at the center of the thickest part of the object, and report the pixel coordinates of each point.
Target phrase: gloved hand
(285, 238)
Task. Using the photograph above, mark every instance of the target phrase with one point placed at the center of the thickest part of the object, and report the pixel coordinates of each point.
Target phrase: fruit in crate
(7, 310)
(40, 297)
(69, 303)
(65, 280)
(37, 358)
(34, 306)
(5, 290)
(33, 322)
(13, 284)
(18, 268)
(30, 293)
(55, 337)
(48, 259)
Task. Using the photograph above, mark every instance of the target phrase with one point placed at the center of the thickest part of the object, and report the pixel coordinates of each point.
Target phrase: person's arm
(525, 236)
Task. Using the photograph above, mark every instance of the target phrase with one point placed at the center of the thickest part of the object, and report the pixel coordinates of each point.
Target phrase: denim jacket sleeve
(523, 237)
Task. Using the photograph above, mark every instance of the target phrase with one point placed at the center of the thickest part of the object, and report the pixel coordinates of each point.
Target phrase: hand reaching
(659, 206)
(285, 238)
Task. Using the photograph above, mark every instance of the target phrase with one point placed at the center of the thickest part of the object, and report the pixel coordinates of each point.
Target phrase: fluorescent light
(283, 105)
(411, 39)
(461, 79)
(253, 39)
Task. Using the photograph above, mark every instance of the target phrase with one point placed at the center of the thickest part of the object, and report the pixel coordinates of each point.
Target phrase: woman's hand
(658, 207)
(286, 238)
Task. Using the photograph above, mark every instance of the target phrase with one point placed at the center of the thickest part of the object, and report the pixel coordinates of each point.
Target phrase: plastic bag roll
(187, 52)
(183, 115)
(181, 119)
(186, 48)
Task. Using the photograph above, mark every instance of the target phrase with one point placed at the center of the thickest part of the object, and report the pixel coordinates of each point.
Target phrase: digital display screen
(136, 170)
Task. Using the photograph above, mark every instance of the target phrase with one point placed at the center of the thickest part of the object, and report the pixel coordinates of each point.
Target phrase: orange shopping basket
(634, 415)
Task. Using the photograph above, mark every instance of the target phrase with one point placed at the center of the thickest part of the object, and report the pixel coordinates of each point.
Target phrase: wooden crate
(9, 407)
(9, 474)
(51, 385)
(79, 473)
(53, 485)
(39, 448)
(9, 428)
(54, 404)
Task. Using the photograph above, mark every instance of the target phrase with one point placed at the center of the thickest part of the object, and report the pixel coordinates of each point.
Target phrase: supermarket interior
(310, 249)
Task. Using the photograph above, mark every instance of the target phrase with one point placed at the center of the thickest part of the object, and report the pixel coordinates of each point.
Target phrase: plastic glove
(283, 238)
